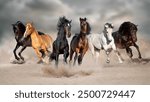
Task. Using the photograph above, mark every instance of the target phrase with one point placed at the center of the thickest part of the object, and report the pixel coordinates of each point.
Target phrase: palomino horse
(79, 43)
(126, 37)
(60, 45)
(19, 29)
(103, 41)
(40, 43)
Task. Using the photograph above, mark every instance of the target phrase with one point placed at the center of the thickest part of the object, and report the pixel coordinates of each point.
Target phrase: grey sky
(45, 13)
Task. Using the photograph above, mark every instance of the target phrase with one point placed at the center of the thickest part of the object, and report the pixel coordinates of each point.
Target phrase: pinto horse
(79, 43)
(60, 45)
(103, 41)
(126, 37)
(40, 43)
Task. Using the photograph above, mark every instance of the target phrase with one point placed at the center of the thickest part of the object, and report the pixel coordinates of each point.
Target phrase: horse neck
(108, 35)
(61, 33)
(34, 34)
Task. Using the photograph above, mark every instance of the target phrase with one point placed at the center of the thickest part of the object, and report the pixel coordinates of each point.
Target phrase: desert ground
(91, 72)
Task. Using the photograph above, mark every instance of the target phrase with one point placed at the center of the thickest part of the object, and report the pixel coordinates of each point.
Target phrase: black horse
(19, 29)
(126, 37)
(60, 45)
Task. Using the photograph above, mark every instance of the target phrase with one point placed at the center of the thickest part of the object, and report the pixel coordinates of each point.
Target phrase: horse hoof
(108, 61)
(40, 62)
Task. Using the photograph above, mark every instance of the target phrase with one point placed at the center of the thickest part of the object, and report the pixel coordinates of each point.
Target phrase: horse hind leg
(17, 46)
(21, 52)
(139, 53)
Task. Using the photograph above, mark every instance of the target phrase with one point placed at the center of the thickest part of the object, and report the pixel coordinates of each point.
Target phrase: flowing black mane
(127, 27)
(61, 22)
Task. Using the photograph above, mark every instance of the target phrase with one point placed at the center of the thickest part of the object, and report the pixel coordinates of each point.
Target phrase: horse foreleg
(39, 56)
(80, 58)
(66, 54)
(24, 47)
(107, 54)
(17, 46)
(129, 52)
(71, 54)
(117, 53)
(137, 47)
(75, 58)
(57, 58)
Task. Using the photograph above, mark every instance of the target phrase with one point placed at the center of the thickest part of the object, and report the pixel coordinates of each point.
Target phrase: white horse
(103, 41)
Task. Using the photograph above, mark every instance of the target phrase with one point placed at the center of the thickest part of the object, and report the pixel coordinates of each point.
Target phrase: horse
(41, 43)
(60, 45)
(126, 37)
(104, 41)
(19, 29)
(79, 43)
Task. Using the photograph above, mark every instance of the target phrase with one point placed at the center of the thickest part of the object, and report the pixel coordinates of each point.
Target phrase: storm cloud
(45, 13)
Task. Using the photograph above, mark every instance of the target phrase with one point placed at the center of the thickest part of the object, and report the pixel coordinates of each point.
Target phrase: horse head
(65, 24)
(18, 29)
(28, 31)
(108, 28)
(84, 25)
(128, 30)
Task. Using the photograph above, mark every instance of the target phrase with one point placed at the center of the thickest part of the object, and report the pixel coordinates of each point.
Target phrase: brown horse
(79, 43)
(40, 43)
(126, 37)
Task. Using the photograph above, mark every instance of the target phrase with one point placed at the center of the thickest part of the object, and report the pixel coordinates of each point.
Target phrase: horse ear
(85, 18)
(70, 21)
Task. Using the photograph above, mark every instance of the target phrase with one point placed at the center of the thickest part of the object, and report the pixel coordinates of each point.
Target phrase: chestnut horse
(126, 37)
(40, 43)
(79, 43)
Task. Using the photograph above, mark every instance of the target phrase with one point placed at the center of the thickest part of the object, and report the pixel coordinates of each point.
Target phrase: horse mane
(61, 21)
(127, 27)
(88, 28)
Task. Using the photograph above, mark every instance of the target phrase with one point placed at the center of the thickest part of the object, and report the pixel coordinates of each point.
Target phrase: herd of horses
(44, 45)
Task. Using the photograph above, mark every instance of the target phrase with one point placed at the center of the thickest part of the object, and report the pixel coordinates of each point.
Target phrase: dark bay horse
(19, 29)
(60, 45)
(126, 37)
(79, 43)
(41, 43)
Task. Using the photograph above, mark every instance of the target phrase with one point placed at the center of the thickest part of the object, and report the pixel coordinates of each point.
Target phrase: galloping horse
(39, 42)
(79, 43)
(103, 41)
(60, 45)
(126, 37)
(19, 30)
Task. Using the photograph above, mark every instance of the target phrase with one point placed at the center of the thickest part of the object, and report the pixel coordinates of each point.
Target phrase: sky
(45, 13)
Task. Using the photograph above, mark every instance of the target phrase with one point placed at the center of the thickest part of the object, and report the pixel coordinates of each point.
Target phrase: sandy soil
(90, 72)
